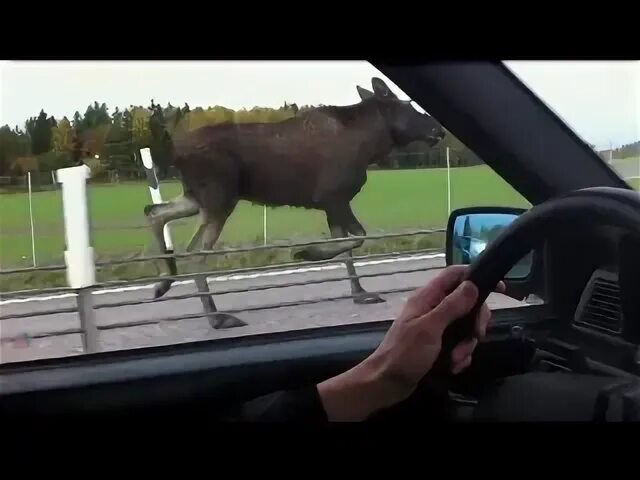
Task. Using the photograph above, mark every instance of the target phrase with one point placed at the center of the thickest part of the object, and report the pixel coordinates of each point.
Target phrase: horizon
(600, 100)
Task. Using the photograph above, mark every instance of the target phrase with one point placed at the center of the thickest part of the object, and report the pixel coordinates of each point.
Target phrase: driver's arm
(392, 372)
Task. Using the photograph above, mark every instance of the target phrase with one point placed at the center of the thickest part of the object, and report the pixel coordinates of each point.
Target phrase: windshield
(115, 177)
(599, 100)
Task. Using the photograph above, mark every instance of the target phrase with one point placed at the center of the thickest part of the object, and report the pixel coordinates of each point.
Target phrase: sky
(599, 100)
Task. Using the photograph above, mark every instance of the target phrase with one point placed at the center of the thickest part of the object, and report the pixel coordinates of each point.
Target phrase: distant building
(606, 155)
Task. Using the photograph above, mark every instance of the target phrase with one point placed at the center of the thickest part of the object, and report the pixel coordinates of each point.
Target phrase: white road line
(224, 278)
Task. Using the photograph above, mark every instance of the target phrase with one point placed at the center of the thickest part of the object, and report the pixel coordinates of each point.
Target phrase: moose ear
(364, 93)
(381, 89)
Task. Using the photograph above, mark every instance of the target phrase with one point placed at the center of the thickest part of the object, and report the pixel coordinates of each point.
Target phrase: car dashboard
(592, 283)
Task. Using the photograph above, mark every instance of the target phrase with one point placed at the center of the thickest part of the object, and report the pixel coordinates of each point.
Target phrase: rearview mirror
(471, 230)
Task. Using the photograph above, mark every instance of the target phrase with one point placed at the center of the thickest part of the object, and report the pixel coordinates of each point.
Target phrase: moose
(317, 159)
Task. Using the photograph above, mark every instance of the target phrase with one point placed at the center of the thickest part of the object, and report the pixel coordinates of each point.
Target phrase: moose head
(404, 122)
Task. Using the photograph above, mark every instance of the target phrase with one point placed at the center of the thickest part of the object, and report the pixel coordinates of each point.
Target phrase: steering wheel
(602, 205)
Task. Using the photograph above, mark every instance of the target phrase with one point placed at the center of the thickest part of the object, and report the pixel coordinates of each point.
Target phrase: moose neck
(364, 121)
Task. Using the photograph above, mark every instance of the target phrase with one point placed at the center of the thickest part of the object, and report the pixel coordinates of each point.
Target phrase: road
(188, 330)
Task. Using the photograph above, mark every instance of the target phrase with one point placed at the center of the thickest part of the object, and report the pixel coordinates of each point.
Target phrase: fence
(80, 269)
(263, 233)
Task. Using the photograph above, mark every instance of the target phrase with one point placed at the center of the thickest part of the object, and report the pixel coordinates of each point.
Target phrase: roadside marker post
(33, 237)
(154, 189)
(264, 225)
(79, 255)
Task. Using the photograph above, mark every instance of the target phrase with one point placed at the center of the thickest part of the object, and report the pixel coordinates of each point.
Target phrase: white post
(53, 178)
(79, 255)
(154, 189)
(33, 238)
(264, 225)
(448, 184)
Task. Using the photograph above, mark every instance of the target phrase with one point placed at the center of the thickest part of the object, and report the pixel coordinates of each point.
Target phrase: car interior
(575, 356)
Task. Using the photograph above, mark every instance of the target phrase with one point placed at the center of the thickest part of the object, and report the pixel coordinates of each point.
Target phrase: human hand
(409, 349)
(414, 340)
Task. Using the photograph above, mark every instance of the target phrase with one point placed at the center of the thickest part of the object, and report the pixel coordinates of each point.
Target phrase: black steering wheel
(596, 205)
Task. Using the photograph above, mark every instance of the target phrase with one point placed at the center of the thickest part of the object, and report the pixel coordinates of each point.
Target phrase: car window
(227, 153)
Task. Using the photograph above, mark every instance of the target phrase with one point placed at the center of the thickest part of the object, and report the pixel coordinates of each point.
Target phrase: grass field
(391, 201)
(627, 167)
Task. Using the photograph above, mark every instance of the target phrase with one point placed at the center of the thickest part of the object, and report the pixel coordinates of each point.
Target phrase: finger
(501, 287)
(463, 350)
(449, 278)
(456, 369)
(430, 295)
(455, 305)
(482, 321)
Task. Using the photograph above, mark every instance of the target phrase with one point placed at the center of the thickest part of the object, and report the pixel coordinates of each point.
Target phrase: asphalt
(188, 330)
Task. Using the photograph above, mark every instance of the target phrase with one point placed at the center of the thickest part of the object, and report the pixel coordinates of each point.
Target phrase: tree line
(110, 140)
(626, 151)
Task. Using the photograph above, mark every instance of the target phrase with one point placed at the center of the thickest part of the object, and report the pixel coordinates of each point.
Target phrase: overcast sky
(600, 100)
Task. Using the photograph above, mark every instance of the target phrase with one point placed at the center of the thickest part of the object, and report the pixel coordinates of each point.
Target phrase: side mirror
(470, 230)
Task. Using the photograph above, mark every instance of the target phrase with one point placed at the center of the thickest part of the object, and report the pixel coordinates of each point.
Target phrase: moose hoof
(303, 256)
(161, 288)
(366, 298)
(224, 320)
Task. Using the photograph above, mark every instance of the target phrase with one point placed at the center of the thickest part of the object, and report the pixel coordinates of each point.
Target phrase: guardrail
(80, 268)
(86, 305)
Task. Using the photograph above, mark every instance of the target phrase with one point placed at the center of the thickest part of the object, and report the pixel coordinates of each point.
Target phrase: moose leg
(210, 233)
(213, 224)
(350, 224)
(337, 220)
(197, 238)
(341, 222)
(361, 296)
(159, 215)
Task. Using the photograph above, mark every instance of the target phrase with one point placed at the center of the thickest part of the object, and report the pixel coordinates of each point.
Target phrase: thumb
(455, 305)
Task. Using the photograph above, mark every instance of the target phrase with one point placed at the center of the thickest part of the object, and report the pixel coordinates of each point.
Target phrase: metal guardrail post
(87, 321)
(217, 319)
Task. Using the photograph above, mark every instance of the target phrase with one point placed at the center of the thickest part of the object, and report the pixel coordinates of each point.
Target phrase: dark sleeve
(303, 405)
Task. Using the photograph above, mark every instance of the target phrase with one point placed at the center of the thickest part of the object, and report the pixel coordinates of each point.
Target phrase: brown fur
(316, 160)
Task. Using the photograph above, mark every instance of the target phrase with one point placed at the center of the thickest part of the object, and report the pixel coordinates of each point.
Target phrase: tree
(626, 151)
(13, 144)
(102, 115)
(78, 122)
(459, 154)
(117, 147)
(39, 130)
(178, 115)
(160, 142)
(93, 140)
(96, 115)
(62, 136)
(140, 133)
(126, 121)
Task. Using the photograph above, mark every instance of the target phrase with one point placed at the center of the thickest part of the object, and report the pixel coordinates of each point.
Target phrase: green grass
(391, 201)
(627, 167)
